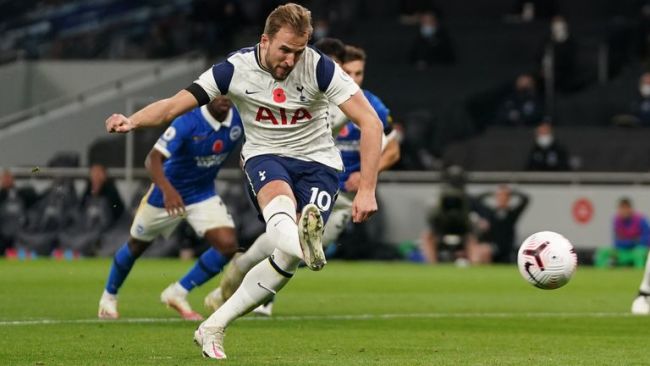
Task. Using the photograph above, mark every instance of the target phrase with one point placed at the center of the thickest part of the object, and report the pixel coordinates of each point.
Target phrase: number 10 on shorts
(322, 199)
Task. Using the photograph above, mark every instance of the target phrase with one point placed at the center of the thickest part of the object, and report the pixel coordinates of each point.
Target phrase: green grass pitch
(348, 314)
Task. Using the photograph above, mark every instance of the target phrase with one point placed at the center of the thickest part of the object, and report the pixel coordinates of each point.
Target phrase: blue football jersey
(350, 135)
(196, 145)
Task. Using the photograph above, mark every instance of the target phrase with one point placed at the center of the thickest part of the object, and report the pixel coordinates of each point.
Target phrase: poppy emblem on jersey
(217, 147)
(344, 131)
(279, 96)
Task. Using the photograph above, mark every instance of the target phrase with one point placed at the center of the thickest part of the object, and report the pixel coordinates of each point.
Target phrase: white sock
(280, 217)
(261, 282)
(645, 282)
(180, 290)
(107, 295)
(261, 249)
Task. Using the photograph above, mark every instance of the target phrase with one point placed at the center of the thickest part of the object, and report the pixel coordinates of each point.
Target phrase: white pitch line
(325, 317)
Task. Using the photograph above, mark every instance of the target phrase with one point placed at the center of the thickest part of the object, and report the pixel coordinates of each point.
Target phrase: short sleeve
(341, 86)
(216, 80)
(171, 141)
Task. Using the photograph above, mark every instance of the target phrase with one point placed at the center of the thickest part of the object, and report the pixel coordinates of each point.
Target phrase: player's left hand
(364, 205)
(352, 184)
(119, 123)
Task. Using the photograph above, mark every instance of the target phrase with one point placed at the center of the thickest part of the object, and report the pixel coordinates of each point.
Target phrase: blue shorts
(310, 182)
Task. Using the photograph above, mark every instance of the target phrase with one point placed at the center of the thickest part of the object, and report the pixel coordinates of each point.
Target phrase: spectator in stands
(432, 45)
(639, 109)
(8, 189)
(547, 154)
(99, 184)
(563, 51)
(631, 238)
(529, 10)
(498, 223)
(321, 30)
(14, 203)
(523, 107)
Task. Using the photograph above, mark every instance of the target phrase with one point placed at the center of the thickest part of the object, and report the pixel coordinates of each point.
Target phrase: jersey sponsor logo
(348, 145)
(198, 138)
(235, 133)
(217, 147)
(210, 160)
(279, 96)
(262, 174)
(251, 92)
(265, 114)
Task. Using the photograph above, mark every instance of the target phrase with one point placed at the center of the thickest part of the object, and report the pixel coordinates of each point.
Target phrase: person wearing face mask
(432, 45)
(638, 111)
(321, 30)
(641, 106)
(547, 154)
(523, 107)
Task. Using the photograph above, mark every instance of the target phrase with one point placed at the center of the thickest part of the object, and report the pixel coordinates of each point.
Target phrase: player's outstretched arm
(157, 113)
(361, 112)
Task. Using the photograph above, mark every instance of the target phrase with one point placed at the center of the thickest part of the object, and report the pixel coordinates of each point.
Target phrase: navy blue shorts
(310, 182)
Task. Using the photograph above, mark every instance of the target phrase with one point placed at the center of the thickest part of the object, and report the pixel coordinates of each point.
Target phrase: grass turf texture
(348, 314)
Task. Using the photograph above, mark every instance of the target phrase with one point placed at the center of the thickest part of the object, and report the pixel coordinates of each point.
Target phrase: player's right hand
(173, 202)
(364, 205)
(119, 123)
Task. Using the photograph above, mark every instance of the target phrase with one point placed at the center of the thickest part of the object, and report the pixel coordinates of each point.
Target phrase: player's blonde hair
(294, 16)
(353, 53)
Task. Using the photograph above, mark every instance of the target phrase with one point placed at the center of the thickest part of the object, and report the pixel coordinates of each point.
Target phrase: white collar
(213, 121)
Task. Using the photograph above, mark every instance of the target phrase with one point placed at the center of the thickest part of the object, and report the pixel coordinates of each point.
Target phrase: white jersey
(338, 118)
(288, 117)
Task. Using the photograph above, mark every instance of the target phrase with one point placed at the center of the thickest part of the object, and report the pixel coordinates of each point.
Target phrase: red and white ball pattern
(547, 260)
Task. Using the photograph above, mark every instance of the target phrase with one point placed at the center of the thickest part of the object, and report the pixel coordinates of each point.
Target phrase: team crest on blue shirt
(235, 133)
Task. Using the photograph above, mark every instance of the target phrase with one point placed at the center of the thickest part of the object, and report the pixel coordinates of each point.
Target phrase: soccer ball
(547, 260)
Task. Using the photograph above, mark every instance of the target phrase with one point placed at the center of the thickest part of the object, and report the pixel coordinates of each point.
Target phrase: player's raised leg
(641, 304)
(123, 261)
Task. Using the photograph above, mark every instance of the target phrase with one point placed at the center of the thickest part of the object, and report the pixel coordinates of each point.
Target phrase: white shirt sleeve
(207, 82)
(342, 87)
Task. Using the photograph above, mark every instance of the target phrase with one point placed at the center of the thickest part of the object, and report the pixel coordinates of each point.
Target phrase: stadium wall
(74, 126)
(581, 212)
(35, 82)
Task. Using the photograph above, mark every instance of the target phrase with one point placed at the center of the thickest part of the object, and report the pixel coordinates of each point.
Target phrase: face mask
(645, 90)
(544, 140)
(427, 31)
(559, 31)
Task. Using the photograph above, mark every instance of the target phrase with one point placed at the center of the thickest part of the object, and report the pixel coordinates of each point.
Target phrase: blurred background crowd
(507, 85)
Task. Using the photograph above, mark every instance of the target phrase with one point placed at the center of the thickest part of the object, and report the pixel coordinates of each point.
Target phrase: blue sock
(207, 266)
(122, 264)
